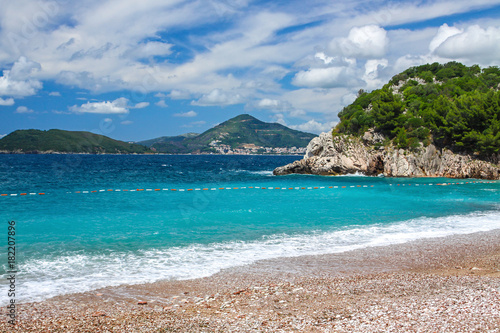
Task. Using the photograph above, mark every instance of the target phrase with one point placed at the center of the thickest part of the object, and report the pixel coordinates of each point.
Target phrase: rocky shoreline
(342, 155)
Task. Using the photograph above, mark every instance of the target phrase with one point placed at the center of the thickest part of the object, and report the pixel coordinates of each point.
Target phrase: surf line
(245, 188)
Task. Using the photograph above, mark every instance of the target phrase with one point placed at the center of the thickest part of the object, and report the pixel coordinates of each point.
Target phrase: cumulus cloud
(269, 103)
(23, 109)
(313, 126)
(24, 69)
(279, 118)
(372, 69)
(161, 103)
(188, 114)
(366, 42)
(404, 62)
(326, 101)
(141, 105)
(218, 97)
(475, 44)
(18, 81)
(279, 106)
(6, 102)
(444, 32)
(118, 106)
(330, 77)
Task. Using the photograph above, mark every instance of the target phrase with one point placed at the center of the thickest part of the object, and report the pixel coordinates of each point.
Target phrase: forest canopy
(449, 105)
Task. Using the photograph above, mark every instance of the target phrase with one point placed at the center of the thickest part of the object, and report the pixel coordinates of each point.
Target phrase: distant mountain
(54, 140)
(241, 134)
(243, 131)
(163, 139)
(168, 144)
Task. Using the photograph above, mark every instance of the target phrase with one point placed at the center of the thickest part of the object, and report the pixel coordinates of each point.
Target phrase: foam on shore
(79, 272)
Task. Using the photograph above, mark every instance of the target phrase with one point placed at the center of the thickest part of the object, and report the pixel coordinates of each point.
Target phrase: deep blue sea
(115, 219)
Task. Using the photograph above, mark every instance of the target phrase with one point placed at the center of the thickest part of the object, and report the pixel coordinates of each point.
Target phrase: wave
(356, 174)
(79, 272)
(258, 172)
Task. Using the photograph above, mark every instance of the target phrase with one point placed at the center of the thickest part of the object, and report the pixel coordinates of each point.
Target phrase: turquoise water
(69, 240)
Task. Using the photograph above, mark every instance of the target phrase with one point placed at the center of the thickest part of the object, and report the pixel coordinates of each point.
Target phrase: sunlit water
(72, 242)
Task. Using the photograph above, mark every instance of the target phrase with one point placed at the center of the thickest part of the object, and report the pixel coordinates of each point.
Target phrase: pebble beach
(449, 284)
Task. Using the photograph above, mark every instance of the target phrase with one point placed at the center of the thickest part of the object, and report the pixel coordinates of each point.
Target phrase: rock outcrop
(340, 155)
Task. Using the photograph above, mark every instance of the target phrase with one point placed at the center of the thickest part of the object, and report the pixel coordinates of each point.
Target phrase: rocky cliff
(340, 155)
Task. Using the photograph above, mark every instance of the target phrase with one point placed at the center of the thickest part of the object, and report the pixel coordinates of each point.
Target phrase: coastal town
(251, 149)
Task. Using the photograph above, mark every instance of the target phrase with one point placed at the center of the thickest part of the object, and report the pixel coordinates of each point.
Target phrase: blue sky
(135, 70)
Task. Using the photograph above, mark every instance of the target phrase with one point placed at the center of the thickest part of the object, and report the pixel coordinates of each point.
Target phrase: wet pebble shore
(447, 284)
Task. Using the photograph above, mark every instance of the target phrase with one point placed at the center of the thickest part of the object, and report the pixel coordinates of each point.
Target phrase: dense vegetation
(236, 132)
(449, 105)
(31, 141)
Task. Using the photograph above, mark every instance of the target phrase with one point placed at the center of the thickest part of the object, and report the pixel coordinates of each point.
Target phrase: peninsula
(428, 121)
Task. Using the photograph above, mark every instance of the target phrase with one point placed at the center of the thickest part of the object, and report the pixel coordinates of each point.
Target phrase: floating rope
(241, 188)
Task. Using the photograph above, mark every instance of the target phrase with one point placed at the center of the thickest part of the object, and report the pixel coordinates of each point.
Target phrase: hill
(240, 132)
(54, 140)
(429, 121)
(450, 105)
(164, 139)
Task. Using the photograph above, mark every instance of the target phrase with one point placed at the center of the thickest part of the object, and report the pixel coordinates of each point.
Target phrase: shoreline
(139, 154)
(453, 280)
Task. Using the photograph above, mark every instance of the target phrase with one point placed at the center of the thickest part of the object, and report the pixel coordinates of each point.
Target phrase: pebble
(420, 300)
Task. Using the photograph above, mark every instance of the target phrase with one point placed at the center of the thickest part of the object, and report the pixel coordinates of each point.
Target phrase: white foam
(356, 174)
(40, 279)
(261, 172)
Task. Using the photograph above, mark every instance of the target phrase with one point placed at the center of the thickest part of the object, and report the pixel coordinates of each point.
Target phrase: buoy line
(244, 188)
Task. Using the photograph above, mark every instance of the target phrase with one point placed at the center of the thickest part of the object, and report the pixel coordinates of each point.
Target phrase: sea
(83, 222)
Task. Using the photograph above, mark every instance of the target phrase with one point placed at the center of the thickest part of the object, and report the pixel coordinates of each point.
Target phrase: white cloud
(161, 103)
(283, 107)
(18, 81)
(330, 77)
(367, 42)
(371, 76)
(113, 45)
(150, 49)
(218, 97)
(23, 109)
(312, 126)
(24, 69)
(141, 105)
(188, 114)
(2, 135)
(474, 45)
(442, 35)
(267, 103)
(127, 122)
(55, 93)
(6, 102)
(407, 61)
(177, 94)
(326, 101)
(279, 118)
(118, 106)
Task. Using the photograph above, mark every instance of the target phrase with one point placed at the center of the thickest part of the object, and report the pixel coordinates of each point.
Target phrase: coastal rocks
(340, 155)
